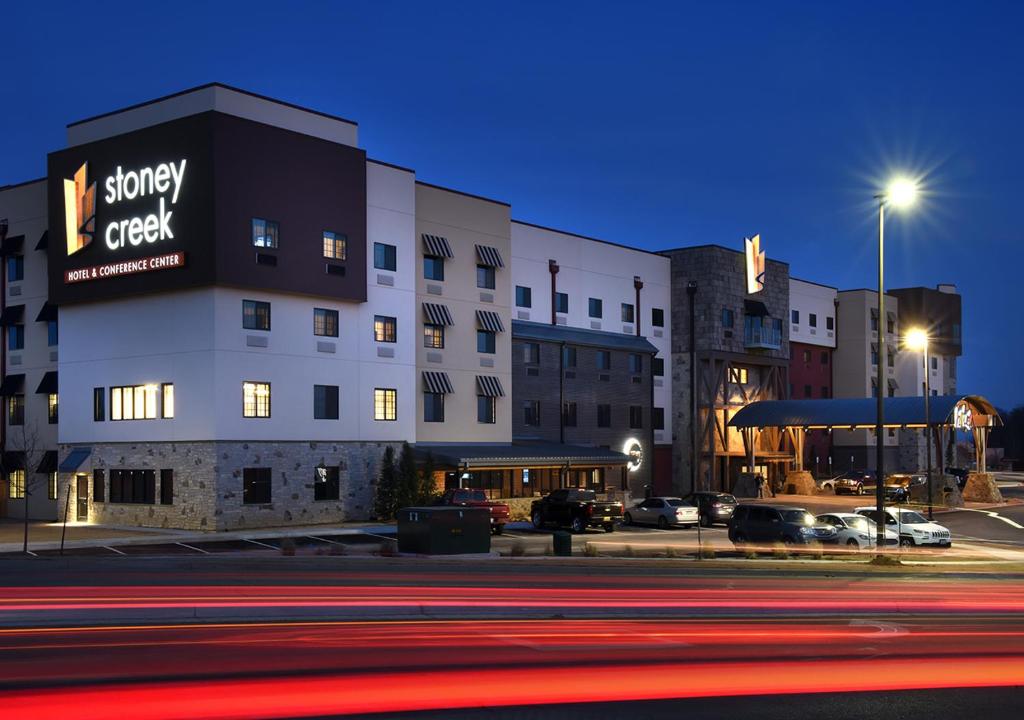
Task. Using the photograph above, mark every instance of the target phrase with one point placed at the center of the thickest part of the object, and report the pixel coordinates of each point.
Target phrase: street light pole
(880, 419)
(927, 427)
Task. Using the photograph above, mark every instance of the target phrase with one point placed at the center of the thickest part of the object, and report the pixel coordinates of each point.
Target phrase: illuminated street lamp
(900, 193)
(917, 339)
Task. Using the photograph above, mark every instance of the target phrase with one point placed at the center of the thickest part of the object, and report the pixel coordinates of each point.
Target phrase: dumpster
(444, 530)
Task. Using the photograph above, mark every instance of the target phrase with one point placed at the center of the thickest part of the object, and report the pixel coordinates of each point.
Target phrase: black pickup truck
(579, 509)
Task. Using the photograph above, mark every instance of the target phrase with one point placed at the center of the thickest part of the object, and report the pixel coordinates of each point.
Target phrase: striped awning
(47, 313)
(47, 463)
(437, 382)
(874, 312)
(48, 385)
(489, 256)
(489, 320)
(13, 384)
(437, 314)
(44, 241)
(436, 246)
(489, 386)
(893, 384)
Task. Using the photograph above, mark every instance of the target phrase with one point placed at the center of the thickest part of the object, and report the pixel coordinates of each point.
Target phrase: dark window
(531, 353)
(795, 316)
(265, 233)
(728, 318)
(433, 268)
(327, 483)
(807, 391)
(255, 315)
(485, 277)
(485, 341)
(657, 317)
(874, 323)
(561, 302)
(604, 416)
(98, 486)
(596, 308)
(935, 362)
(658, 366)
(658, 418)
(830, 322)
(636, 363)
(15, 268)
(874, 356)
(484, 409)
(531, 413)
(325, 402)
(890, 325)
(16, 410)
(385, 329)
(569, 414)
(636, 417)
(812, 320)
(384, 256)
(335, 246)
(824, 357)
(433, 407)
(604, 360)
(166, 487)
(51, 333)
(99, 409)
(892, 393)
(568, 357)
(824, 391)
(325, 322)
(524, 296)
(16, 337)
(136, 487)
(627, 313)
(256, 486)
(892, 359)
(433, 336)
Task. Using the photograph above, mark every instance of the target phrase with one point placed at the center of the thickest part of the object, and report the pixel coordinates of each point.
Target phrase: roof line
(717, 246)
(586, 237)
(812, 282)
(210, 85)
(22, 183)
(390, 165)
(466, 194)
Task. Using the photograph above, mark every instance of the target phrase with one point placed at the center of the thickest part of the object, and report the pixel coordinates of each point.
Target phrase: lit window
(51, 486)
(265, 233)
(167, 390)
(433, 336)
(385, 328)
(738, 375)
(325, 322)
(385, 404)
(16, 410)
(334, 245)
(255, 400)
(16, 484)
(51, 408)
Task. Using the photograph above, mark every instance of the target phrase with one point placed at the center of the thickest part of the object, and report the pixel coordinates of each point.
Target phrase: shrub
(590, 550)
(780, 551)
(518, 549)
(708, 552)
(388, 548)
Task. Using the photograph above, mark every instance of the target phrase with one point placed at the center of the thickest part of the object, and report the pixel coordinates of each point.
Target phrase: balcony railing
(758, 335)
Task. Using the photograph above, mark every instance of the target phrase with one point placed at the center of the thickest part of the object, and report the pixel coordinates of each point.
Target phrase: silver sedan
(663, 512)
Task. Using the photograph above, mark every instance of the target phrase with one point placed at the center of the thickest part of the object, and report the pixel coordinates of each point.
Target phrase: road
(295, 637)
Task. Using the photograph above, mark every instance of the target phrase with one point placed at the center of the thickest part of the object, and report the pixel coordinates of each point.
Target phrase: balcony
(761, 333)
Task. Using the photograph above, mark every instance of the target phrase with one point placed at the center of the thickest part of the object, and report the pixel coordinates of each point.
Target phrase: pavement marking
(382, 537)
(112, 549)
(257, 542)
(332, 542)
(190, 547)
(997, 516)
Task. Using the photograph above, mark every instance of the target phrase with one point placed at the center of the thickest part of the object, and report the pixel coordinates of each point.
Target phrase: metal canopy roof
(527, 330)
(857, 412)
(519, 454)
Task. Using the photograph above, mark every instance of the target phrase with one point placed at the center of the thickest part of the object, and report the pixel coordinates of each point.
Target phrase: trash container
(444, 530)
(562, 543)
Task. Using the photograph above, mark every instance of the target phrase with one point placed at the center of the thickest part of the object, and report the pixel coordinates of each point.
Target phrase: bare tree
(28, 434)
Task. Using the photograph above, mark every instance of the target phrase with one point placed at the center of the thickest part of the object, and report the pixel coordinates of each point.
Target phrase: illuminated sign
(635, 450)
(126, 267)
(79, 209)
(160, 180)
(963, 419)
(755, 264)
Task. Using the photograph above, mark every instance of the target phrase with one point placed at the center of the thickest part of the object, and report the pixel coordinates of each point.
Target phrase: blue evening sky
(652, 124)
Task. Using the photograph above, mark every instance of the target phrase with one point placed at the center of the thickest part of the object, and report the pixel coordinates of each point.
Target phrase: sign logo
(963, 419)
(635, 450)
(755, 264)
(79, 209)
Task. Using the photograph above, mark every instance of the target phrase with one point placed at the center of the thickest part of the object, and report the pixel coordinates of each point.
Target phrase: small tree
(33, 482)
(428, 491)
(408, 478)
(386, 501)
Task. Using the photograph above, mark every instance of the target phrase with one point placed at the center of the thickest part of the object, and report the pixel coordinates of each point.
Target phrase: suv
(713, 507)
(913, 527)
(853, 482)
(769, 523)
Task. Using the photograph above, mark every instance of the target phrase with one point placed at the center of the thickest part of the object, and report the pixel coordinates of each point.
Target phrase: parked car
(663, 512)
(913, 528)
(579, 509)
(770, 524)
(960, 474)
(463, 497)
(713, 507)
(896, 488)
(855, 530)
(853, 482)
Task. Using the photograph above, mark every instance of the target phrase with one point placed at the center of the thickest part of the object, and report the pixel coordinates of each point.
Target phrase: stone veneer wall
(208, 483)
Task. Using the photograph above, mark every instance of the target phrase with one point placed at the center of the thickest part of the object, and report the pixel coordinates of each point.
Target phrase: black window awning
(489, 256)
(12, 315)
(48, 385)
(12, 245)
(437, 314)
(437, 246)
(75, 459)
(49, 463)
(13, 384)
(13, 460)
(437, 382)
(47, 313)
(44, 241)
(755, 308)
(489, 386)
(489, 320)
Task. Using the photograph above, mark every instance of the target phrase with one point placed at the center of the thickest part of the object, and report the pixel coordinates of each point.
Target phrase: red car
(478, 498)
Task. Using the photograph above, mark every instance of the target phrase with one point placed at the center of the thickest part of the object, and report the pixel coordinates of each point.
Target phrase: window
(812, 320)
(892, 392)
(657, 317)
(604, 416)
(935, 363)
(890, 325)
(595, 308)
(325, 322)
(874, 356)
(824, 391)
(561, 302)
(335, 246)
(98, 486)
(531, 413)
(604, 360)
(531, 353)
(485, 341)
(739, 376)
(265, 233)
(807, 391)
(728, 318)
(325, 402)
(134, 402)
(16, 484)
(15, 268)
(636, 363)
(256, 486)
(824, 357)
(485, 277)
(384, 257)
(627, 313)
(795, 316)
(255, 400)
(892, 358)
(327, 483)
(385, 329)
(51, 408)
(255, 315)
(433, 268)
(433, 407)
(658, 418)
(568, 357)
(133, 486)
(569, 414)
(51, 333)
(51, 487)
(16, 410)
(16, 337)
(433, 336)
(99, 410)
(874, 324)
(658, 366)
(385, 404)
(166, 487)
(830, 322)
(636, 417)
(807, 356)
(524, 297)
(485, 409)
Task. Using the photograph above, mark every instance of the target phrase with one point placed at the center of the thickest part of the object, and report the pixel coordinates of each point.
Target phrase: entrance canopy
(520, 454)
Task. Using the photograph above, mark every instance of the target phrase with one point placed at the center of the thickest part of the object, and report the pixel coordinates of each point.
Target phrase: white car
(914, 528)
(663, 512)
(856, 530)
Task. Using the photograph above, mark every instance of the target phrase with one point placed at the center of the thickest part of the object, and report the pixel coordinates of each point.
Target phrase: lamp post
(917, 339)
(899, 193)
